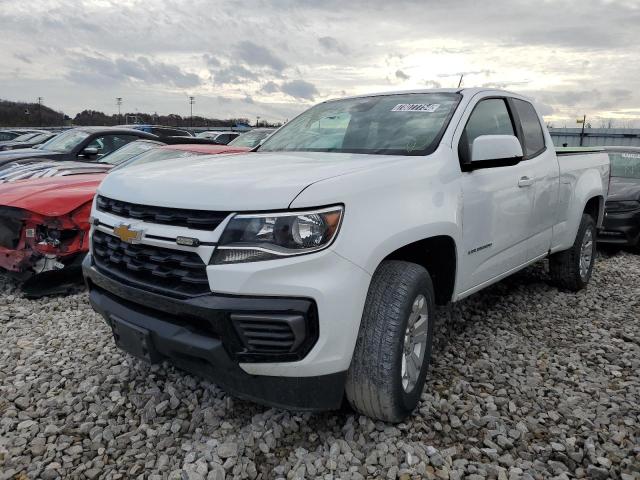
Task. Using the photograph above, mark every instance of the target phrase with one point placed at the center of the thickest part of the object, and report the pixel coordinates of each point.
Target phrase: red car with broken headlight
(44, 222)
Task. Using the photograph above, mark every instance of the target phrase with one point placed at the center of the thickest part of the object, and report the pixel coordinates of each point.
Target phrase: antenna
(460, 82)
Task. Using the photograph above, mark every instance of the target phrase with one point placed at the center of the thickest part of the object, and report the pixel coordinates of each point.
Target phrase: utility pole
(583, 122)
(460, 81)
(191, 102)
(40, 111)
(119, 103)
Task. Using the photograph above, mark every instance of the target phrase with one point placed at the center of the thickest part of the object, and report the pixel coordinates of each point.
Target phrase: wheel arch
(595, 207)
(438, 255)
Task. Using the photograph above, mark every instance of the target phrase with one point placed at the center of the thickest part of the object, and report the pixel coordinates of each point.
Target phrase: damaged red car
(44, 222)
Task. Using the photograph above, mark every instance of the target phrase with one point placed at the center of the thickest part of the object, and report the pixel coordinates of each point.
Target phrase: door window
(108, 143)
(533, 138)
(489, 117)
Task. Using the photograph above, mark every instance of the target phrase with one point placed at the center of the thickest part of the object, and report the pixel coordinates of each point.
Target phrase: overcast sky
(274, 58)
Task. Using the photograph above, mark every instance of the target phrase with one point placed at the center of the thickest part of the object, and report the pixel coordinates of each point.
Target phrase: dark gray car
(87, 144)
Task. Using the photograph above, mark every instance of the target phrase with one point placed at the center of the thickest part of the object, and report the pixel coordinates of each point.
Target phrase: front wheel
(393, 350)
(571, 269)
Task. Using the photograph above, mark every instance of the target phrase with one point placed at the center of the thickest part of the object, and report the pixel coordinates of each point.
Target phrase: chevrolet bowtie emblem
(125, 233)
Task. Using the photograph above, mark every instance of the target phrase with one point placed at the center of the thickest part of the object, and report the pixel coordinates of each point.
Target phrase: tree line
(22, 114)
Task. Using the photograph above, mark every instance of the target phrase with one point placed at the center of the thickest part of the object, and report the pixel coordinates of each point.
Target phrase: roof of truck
(464, 91)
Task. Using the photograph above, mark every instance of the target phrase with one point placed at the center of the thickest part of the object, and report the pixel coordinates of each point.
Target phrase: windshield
(207, 134)
(24, 137)
(250, 139)
(66, 141)
(157, 155)
(625, 164)
(41, 137)
(130, 150)
(403, 124)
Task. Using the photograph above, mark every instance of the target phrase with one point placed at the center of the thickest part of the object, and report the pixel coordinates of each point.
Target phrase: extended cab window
(533, 141)
(489, 117)
(396, 124)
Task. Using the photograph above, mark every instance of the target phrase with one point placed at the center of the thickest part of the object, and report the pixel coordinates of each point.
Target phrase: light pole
(583, 121)
(191, 102)
(119, 103)
(257, 121)
(40, 111)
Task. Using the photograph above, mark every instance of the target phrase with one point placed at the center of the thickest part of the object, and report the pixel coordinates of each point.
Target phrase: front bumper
(198, 334)
(24, 242)
(621, 228)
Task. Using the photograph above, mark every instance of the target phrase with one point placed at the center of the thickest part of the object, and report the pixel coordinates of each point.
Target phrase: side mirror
(495, 150)
(89, 152)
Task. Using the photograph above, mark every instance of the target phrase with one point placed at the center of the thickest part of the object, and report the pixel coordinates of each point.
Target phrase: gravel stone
(527, 382)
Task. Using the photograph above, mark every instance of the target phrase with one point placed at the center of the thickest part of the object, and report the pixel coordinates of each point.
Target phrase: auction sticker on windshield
(416, 107)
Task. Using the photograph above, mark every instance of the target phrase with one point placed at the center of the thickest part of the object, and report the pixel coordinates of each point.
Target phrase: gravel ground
(527, 382)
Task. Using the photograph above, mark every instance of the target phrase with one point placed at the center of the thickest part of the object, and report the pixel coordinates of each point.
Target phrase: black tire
(564, 266)
(374, 383)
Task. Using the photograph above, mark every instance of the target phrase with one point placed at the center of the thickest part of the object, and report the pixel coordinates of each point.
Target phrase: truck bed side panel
(582, 177)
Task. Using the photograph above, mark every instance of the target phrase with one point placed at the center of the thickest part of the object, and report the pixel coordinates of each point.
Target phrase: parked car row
(302, 266)
(45, 221)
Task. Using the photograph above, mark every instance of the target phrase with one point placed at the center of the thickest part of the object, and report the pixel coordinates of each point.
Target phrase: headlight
(267, 236)
(622, 206)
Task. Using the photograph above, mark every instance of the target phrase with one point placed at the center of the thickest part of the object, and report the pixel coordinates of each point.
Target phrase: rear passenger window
(533, 137)
(489, 117)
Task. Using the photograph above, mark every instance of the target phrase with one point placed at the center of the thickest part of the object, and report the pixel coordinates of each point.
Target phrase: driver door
(496, 208)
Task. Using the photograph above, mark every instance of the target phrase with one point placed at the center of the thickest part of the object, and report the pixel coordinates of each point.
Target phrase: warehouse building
(595, 137)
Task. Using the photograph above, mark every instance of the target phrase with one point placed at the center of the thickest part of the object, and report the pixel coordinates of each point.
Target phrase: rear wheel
(393, 350)
(571, 269)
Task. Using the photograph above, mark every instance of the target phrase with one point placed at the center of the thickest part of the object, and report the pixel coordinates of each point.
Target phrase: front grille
(270, 333)
(157, 268)
(179, 217)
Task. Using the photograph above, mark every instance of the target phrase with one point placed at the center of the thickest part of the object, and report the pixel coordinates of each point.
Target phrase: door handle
(525, 181)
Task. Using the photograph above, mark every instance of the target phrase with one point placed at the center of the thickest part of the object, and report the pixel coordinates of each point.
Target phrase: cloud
(210, 60)
(22, 57)
(102, 69)
(300, 89)
(270, 87)
(432, 84)
(253, 54)
(402, 76)
(233, 74)
(469, 73)
(330, 44)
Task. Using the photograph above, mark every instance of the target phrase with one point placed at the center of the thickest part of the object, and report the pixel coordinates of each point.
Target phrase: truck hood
(621, 188)
(250, 181)
(50, 196)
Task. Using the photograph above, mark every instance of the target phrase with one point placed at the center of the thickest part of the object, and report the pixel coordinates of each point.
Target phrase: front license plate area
(134, 340)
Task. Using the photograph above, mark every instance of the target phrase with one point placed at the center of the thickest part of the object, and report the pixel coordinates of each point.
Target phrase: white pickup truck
(308, 269)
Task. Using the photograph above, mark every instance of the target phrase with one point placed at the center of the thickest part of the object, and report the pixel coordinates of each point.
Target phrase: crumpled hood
(36, 168)
(21, 154)
(50, 196)
(621, 188)
(251, 181)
